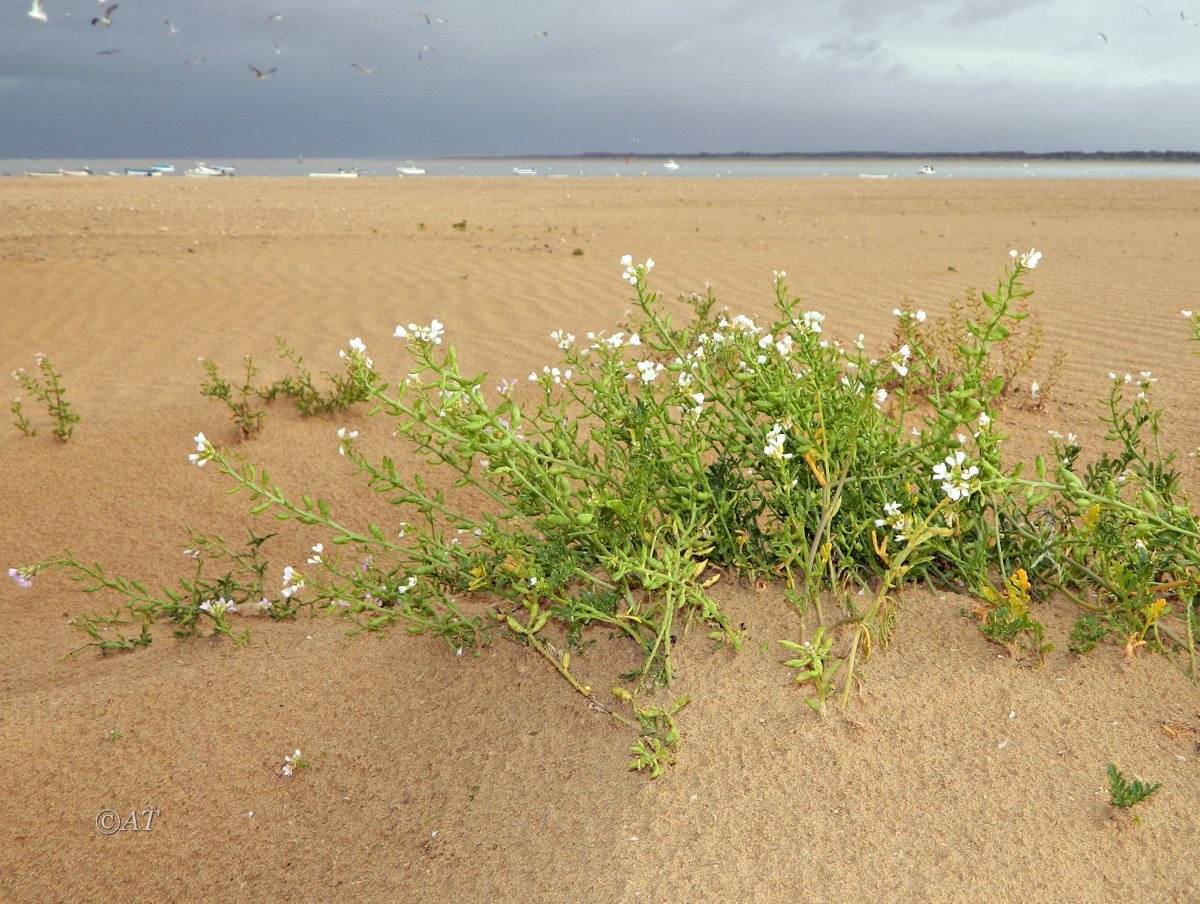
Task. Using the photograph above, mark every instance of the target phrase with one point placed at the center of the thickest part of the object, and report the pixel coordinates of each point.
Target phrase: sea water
(707, 167)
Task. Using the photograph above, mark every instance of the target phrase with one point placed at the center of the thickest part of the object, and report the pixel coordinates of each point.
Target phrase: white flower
(627, 260)
(881, 396)
(432, 333)
(809, 322)
(200, 457)
(698, 399)
(649, 370)
(954, 477)
(1029, 260)
(315, 558)
(291, 582)
(20, 577)
(216, 607)
(562, 339)
(290, 764)
(899, 360)
(346, 437)
(775, 442)
(1187, 314)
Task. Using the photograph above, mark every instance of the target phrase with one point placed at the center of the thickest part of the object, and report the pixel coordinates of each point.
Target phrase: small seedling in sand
(658, 738)
(48, 389)
(460, 226)
(578, 252)
(1125, 794)
(114, 736)
(816, 664)
(244, 410)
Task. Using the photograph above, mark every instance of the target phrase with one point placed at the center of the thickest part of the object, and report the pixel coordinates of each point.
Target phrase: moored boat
(340, 174)
(410, 169)
(926, 170)
(204, 169)
(84, 171)
(671, 165)
(524, 171)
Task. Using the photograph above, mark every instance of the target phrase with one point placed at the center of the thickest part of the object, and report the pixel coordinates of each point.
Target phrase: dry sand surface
(958, 774)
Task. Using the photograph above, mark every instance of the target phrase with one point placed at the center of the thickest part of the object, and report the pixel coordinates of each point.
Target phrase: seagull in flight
(541, 34)
(106, 52)
(1103, 35)
(278, 17)
(260, 74)
(278, 50)
(36, 11)
(106, 19)
(174, 29)
(421, 52)
(194, 61)
(429, 20)
(365, 70)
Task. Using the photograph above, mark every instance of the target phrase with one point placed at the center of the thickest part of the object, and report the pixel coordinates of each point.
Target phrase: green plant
(815, 664)
(48, 389)
(246, 414)
(615, 486)
(1125, 794)
(658, 738)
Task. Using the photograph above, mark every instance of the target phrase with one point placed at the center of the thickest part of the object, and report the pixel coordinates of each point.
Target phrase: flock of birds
(37, 11)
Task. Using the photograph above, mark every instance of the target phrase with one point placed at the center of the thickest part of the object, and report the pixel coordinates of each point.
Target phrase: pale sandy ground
(959, 775)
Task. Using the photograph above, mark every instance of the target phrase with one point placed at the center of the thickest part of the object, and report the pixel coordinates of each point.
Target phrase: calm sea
(688, 167)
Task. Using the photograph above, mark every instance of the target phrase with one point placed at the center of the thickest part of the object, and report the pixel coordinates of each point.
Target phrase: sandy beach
(958, 774)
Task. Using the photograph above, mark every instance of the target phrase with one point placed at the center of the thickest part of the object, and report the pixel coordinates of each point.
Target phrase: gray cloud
(679, 75)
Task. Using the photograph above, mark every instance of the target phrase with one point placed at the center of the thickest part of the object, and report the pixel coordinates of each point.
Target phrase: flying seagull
(195, 61)
(36, 11)
(278, 17)
(421, 52)
(106, 52)
(429, 20)
(1103, 35)
(541, 34)
(174, 30)
(106, 19)
(277, 50)
(260, 74)
(365, 70)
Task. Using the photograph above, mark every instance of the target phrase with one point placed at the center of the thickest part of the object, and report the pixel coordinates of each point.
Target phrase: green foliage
(1125, 794)
(49, 390)
(658, 738)
(611, 490)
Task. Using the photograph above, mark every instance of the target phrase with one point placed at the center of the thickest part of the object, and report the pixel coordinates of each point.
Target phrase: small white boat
(41, 174)
(872, 175)
(671, 165)
(524, 171)
(340, 174)
(410, 169)
(204, 170)
(926, 170)
(85, 171)
(162, 169)
(138, 171)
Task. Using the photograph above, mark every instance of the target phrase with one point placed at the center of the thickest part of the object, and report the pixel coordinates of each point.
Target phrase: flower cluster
(218, 607)
(358, 352)
(899, 523)
(292, 582)
(203, 451)
(775, 442)
(954, 478)
(22, 579)
(634, 272)
(291, 764)
(1028, 260)
(432, 333)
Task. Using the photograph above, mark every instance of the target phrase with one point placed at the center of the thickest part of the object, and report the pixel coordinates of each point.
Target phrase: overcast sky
(639, 76)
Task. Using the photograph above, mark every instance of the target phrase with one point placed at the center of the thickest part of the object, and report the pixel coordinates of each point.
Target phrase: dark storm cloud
(677, 75)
